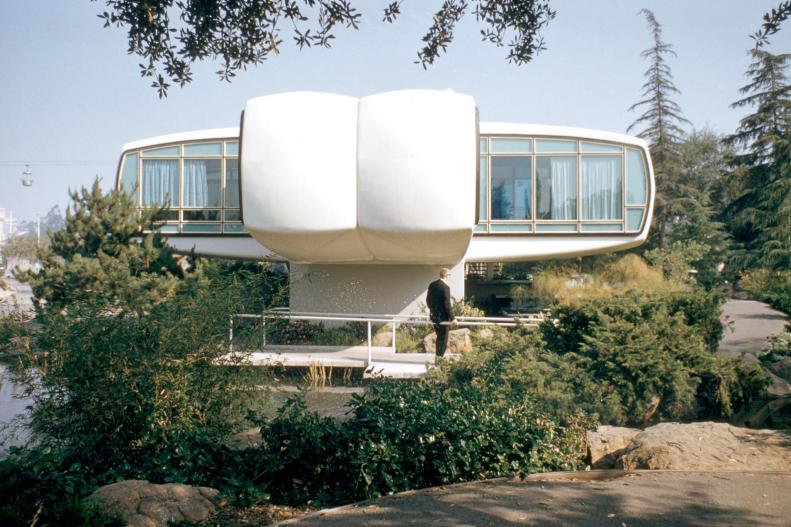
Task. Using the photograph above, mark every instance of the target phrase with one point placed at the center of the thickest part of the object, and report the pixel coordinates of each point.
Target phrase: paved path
(607, 498)
(750, 324)
(18, 294)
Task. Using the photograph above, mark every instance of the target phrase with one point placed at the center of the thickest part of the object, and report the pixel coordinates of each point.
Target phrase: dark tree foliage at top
(660, 125)
(772, 21)
(760, 216)
(171, 35)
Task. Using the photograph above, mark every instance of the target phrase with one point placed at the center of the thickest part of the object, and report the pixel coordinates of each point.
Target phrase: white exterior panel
(298, 164)
(417, 159)
(525, 248)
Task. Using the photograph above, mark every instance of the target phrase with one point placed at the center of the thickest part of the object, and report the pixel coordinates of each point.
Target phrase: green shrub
(772, 287)
(407, 435)
(630, 359)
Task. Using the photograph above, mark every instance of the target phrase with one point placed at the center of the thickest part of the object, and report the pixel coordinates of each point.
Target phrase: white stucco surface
(376, 289)
(390, 178)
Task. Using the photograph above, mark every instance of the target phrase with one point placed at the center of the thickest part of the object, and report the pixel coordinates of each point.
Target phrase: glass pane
(168, 228)
(511, 146)
(160, 182)
(555, 145)
(601, 188)
(232, 183)
(635, 178)
(634, 217)
(511, 227)
(168, 151)
(602, 227)
(600, 147)
(483, 145)
(557, 227)
(201, 215)
(168, 215)
(556, 178)
(129, 174)
(203, 149)
(202, 179)
(480, 228)
(483, 198)
(512, 188)
(232, 148)
(200, 227)
(233, 215)
(234, 227)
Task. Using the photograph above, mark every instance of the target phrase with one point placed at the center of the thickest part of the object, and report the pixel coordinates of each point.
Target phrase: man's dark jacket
(438, 301)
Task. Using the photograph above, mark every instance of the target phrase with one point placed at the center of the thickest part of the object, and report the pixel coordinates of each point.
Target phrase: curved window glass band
(601, 188)
(512, 187)
(159, 183)
(129, 173)
(505, 145)
(198, 184)
(202, 183)
(556, 178)
(635, 178)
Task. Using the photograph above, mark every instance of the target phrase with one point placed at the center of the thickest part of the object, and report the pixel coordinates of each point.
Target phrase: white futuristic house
(367, 198)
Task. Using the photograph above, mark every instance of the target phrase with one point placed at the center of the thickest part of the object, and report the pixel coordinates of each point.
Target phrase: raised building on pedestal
(368, 198)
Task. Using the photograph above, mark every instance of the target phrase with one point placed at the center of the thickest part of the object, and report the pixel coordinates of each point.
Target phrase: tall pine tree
(661, 125)
(108, 253)
(760, 215)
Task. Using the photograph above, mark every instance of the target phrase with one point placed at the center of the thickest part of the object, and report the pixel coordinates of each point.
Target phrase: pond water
(11, 434)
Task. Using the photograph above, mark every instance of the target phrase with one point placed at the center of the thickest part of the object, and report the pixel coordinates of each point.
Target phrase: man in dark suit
(440, 309)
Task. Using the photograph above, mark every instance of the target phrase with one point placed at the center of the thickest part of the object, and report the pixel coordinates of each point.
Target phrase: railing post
(394, 334)
(230, 336)
(370, 352)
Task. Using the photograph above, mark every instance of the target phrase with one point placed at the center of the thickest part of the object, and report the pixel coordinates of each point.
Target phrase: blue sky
(71, 96)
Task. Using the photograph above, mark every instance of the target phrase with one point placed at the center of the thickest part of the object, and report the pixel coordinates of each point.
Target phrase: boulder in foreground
(143, 504)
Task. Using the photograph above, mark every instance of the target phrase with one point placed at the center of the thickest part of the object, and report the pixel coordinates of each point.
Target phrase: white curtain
(160, 183)
(563, 190)
(601, 188)
(196, 183)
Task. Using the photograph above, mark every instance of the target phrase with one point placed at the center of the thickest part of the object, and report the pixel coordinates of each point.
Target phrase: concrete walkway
(749, 324)
(601, 498)
(598, 498)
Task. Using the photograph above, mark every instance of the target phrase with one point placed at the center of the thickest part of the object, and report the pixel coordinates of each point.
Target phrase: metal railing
(531, 320)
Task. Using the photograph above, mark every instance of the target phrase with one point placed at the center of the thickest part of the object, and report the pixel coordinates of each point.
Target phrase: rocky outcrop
(607, 443)
(707, 446)
(459, 341)
(143, 504)
(689, 446)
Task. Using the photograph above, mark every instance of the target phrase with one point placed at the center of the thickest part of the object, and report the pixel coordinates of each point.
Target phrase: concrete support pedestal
(375, 289)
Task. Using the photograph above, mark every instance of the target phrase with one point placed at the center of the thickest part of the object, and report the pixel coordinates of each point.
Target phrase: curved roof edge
(487, 128)
(195, 135)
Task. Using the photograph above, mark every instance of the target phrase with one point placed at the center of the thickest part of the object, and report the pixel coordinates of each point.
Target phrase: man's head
(444, 273)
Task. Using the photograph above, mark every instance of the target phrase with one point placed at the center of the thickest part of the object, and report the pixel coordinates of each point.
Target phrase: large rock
(607, 443)
(707, 446)
(143, 504)
(782, 368)
(459, 341)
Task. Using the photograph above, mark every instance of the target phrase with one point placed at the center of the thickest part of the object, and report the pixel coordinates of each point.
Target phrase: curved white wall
(386, 179)
(417, 158)
(299, 176)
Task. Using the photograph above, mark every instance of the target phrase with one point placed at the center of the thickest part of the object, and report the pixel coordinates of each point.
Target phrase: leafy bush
(772, 287)
(631, 358)
(412, 435)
